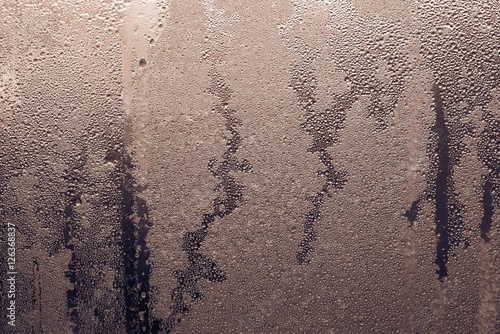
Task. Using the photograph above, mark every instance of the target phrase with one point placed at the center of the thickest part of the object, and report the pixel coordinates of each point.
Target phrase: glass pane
(224, 166)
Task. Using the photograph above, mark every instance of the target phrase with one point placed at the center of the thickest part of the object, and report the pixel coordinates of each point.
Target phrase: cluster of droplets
(61, 111)
(200, 266)
(137, 270)
(375, 64)
(324, 127)
(488, 149)
(457, 47)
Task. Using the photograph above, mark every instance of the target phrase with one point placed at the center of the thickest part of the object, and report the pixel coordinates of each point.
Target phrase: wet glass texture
(272, 166)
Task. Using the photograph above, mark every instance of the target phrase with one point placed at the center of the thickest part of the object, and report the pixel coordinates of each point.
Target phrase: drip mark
(323, 127)
(487, 220)
(449, 224)
(442, 186)
(37, 296)
(135, 253)
(488, 149)
(200, 266)
(73, 177)
(412, 213)
(335, 180)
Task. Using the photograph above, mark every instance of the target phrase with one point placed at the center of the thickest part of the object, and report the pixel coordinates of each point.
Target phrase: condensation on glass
(222, 166)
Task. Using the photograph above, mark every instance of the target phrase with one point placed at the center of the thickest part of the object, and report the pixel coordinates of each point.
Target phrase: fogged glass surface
(223, 166)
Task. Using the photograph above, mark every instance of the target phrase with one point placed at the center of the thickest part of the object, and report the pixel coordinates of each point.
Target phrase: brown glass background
(112, 111)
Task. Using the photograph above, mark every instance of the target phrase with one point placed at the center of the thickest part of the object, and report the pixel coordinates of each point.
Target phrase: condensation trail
(323, 126)
(357, 54)
(200, 266)
(457, 90)
(137, 270)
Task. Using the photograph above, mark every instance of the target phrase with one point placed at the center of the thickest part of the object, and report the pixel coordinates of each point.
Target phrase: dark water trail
(201, 267)
(488, 210)
(442, 186)
(137, 269)
(489, 153)
(448, 218)
(74, 178)
(324, 128)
